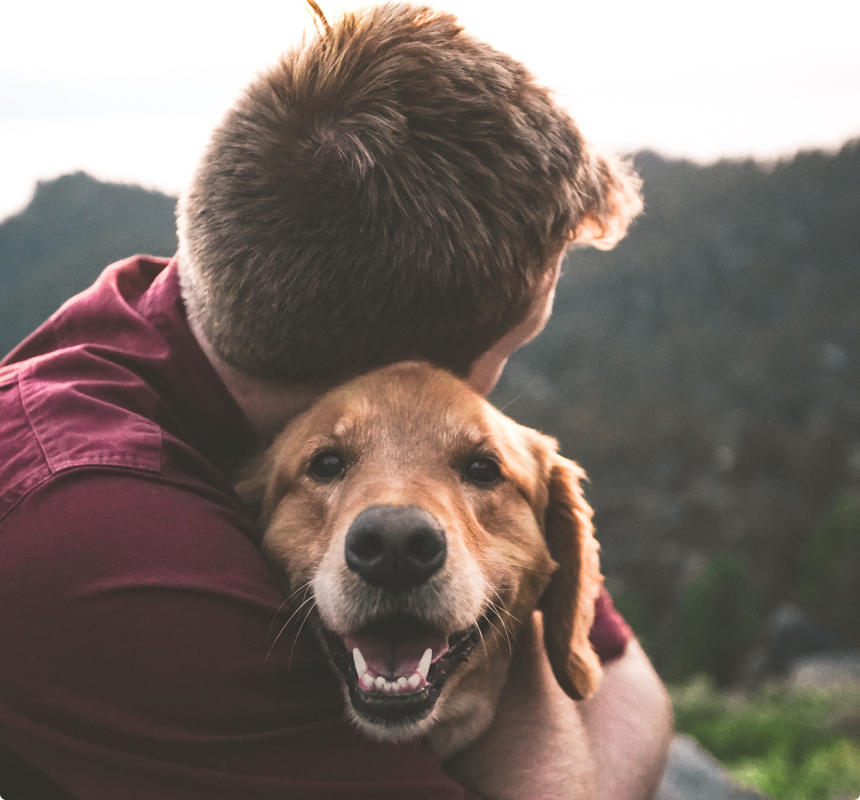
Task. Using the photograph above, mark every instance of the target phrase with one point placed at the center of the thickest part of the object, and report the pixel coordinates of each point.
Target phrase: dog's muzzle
(395, 666)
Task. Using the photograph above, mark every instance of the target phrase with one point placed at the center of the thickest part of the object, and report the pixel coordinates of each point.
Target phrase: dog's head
(424, 527)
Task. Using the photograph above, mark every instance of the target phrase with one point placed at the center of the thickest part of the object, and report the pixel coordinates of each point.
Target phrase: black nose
(396, 547)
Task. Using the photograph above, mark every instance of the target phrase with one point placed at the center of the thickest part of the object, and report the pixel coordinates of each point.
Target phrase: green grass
(788, 745)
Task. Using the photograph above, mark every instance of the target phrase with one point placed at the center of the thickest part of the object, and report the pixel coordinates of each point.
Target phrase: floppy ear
(568, 603)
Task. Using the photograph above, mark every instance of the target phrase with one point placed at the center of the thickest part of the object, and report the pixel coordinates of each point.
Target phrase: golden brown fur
(410, 436)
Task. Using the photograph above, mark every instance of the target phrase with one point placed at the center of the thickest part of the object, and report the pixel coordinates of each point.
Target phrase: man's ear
(611, 199)
(568, 602)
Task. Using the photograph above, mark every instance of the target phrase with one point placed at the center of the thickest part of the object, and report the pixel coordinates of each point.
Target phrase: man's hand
(544, 746)
(537, 746)
(629, 723)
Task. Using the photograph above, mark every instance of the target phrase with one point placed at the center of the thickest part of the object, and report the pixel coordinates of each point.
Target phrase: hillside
(706, 373)
(71, 230)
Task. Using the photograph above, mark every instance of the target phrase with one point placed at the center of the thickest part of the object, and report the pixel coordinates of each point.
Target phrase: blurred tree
(718, 617)
(830, 567)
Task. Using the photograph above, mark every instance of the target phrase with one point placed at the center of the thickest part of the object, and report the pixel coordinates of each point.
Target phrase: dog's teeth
(401, 684)
(360, 663)
(424, 663)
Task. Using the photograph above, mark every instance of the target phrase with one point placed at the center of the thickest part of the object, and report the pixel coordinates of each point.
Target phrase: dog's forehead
(415, 404)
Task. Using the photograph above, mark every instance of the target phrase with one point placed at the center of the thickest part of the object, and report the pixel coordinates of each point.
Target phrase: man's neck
(268, 405)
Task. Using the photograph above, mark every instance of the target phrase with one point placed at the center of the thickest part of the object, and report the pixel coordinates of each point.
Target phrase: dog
(424, 527)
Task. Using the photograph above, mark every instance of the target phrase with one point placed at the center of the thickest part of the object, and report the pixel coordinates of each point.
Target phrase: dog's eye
(327, 464)
(482, 470)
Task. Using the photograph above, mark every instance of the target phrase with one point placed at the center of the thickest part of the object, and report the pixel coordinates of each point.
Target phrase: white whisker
(496, 560)
(286, 603)
(292, 616)
(511, 402)
(296, 639)
(483, 642)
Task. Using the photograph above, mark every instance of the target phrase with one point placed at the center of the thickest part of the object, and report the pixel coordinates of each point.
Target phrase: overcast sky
(129, 91)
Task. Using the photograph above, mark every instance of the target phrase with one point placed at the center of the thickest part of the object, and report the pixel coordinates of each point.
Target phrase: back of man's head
(392, 189)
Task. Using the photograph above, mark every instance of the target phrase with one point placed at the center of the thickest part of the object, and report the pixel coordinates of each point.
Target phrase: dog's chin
(395, 696)
(392, 728)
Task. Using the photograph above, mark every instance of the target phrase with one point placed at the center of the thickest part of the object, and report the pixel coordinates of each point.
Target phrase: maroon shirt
(140, 655)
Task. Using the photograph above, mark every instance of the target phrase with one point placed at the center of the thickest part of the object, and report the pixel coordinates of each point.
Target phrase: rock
(694, 774)
(826, 670)
(790, 636)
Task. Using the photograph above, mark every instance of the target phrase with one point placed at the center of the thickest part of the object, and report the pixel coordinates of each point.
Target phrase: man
(393, 189)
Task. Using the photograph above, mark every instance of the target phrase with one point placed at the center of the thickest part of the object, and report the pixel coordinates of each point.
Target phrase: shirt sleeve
(609, 632)
(149, 655)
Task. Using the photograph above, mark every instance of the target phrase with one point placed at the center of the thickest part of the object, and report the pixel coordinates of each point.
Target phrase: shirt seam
(96, 467)
(33, 427)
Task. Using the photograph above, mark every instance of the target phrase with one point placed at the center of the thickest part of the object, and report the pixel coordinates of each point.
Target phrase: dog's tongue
(395, 654)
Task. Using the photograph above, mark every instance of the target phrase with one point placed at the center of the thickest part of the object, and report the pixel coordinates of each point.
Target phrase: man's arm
(148, 654)
(629, 723)
(545, 746)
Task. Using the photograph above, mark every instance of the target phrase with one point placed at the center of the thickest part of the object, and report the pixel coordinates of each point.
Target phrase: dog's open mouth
(395, 669)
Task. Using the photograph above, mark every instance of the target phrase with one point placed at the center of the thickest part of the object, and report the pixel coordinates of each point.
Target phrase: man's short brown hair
(393, 188)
